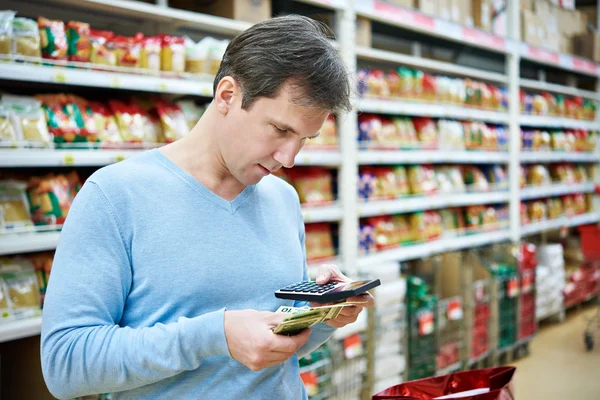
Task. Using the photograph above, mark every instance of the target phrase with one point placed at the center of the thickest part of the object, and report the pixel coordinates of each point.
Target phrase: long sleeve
(320, 332)
(84, 350)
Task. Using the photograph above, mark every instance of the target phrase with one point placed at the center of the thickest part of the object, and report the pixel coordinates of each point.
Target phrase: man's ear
(228, 92)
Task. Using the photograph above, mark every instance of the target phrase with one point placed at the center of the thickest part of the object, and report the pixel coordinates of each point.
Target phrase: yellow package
(172, 53)
(101, 52)
(7, 125)
(14, 207)
(29, 115)
(26, 37)
(418, 227)
(150, 54)
(539, 176)
(6, 31)
(196, 55)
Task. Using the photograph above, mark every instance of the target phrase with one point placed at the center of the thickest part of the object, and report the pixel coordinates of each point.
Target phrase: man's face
(267, 136)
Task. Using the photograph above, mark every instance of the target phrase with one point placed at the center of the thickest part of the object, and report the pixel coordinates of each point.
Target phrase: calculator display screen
(349, 286)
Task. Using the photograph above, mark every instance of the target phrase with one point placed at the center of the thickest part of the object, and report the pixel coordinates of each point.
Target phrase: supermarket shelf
(103, 79)
(28, 242)
(400, 107)
(434, 247)
(372, 208)
(431, 157)
(415, 21)
(558, 223)
(556, 122)
(367, 53)
(475, 360)
(145, 11)
(536, 192)
(329, 4)
(558, 156)
(316, 157)
(20, 329)
(550, 87)
(98, 158)
(559, 60)
(322, 213)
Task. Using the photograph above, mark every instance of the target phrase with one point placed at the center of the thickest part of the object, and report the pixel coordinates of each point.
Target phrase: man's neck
(198, 154)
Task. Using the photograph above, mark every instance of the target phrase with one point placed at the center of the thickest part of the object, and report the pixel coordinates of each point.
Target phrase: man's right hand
(252, 342)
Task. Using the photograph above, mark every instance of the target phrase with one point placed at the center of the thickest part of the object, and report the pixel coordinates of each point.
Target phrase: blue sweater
(147, 263)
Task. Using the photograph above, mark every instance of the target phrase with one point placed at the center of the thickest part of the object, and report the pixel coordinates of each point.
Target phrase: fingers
(364, 300)
(290, 344)
(330, 272)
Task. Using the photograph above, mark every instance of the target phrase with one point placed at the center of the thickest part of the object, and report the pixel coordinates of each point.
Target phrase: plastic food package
(418, 226)
(193, 112)
(407, 135)
(426, 132)
(172, 54)
(579, 203)
(89, 131)
(173, 121)
(6, 31)
(105, 123)
(150, 56)
(369, 128)
(568, 205)
(313, 184)
(475, 180)
(8, 132)
(558, 141)
(130, 121)
(127, 50)
(444, 183)
(319, 242)
(374, 84)
(21, 287)
(26, 37)
(53, 38)
(101, 51)
(474, 216)
(554, 207)
(451, 135)
(196, 55)
(60, 119)
(433, 223)
(384, 232)
(153, 129)
(366, 242)
(538, 175)
(489, 138)
(421, 180)
(538, 211)
(581, 174)
(50, 197)
(29, 119)
(215, 55)
(78, 35)
(473, 135)
(14, 207)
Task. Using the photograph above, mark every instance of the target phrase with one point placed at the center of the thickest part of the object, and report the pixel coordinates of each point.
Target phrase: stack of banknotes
(304, 317)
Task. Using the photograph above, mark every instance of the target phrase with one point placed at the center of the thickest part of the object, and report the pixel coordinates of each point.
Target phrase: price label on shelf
(543, 55)
(584, 66)
(512, 287)
(119, 157)
(425, 323)
(163, 87)
(311, 382)
(481, 38)
(307, 217)
(60, 77)
(68, 159)
(115, 82)
(206, 91)
(454, 310)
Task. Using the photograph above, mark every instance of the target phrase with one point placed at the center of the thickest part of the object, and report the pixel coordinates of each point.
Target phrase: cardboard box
(243, 10)
(444, 10)
(588, 46)
(552, 41)
(591, 12)
(566, 44)
(500, 18)
(363, 32)
(529, 25)
(482, 14)
(428, 7)
(466, 13)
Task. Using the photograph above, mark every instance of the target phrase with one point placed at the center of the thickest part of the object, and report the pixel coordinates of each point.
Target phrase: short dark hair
(293, 49)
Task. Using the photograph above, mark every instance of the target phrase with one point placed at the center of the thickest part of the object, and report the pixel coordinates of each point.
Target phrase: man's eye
(279, 130)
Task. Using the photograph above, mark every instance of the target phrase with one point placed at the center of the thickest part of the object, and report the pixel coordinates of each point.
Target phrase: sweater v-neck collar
(230, 206)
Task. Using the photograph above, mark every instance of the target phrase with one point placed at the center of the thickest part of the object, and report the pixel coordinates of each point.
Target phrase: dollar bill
(304, 317)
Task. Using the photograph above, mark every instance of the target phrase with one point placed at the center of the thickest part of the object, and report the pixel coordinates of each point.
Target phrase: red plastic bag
(483, 384)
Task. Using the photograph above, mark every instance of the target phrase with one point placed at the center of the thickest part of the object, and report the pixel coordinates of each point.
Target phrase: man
(163, 279)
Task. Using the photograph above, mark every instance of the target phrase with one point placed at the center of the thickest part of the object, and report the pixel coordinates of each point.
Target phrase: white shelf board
(103, 79)
(536, 192)
(551, 87)
(557, 156)
(318, 157)
(417, 203)
(15, 243)
(19, 329)
(329, 213)
(559, 60)
(368, 53)
(411, 252)
(556, 122)
(144, 11)
(553, 224)
(368, 157)
(400, 107)
(413, 20)
(329, 4)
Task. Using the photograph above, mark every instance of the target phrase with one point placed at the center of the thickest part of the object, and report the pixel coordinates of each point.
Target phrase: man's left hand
(331, 273)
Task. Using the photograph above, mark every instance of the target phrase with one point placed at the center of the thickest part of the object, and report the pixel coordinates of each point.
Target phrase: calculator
(327, 293)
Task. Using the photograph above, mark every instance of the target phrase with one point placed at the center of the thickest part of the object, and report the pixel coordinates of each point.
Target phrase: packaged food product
(105, 123)
(61, 123)
(429, 88)
(418, 226)
(394, 84)
(319, 242)
(554, 207)
(524, 214)
(474, 217)
(538, 175)
(558, 140)
(215, 54)
(50, 197)
(433, 223)
(444, 183)
(374, 84)
(568, 205)
(172, 54)
(579, 203)
(6, 33)
(101, 52)
(130, 121)
(421, 179)
(496, 176)
(456, 177)
(402, 229)
(426, 132)
(196, 55)
(384, 232)
(8, 132)
(313, 184)
(522, 177)
(539, 105)
(366, 241)
(473, 135)
(14, 207)
(453, 221)
(193, 112)
(89, 131)
(21, 284)
(150, 55)
(489, 218)
(570, 140)
(418, 79)
(475, 180)
(153, 130)
(538, 211)
(369, 128)
(406, 133)
(581, 174)
(26, 37)
(78, 35)
(127, 50)
(29, 118)
(386, 184)
(407, 83)
(489, 138)
(53, 39)
(172, 119)
(451, 135)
